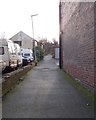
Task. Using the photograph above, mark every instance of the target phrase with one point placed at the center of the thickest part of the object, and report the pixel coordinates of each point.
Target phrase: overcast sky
(15, 16)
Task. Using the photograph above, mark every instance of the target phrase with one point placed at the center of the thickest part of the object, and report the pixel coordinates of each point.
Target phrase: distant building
(56, 52)
(35, 42)
(23, 40)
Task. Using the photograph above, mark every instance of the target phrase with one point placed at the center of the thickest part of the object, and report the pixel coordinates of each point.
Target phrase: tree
(54, 41)
(43, 40)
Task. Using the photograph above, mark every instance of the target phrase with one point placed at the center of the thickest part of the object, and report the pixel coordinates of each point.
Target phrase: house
(77, 43)
(35, 42)
(23, 40)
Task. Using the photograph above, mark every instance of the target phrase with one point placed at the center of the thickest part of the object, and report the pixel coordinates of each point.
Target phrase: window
(18, 42)
(1, 50)
(26, 54)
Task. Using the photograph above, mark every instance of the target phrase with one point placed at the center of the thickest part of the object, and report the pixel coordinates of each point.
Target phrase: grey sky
(15, 16)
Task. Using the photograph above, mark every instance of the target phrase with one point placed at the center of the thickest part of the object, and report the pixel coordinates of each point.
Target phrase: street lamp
(34, 51)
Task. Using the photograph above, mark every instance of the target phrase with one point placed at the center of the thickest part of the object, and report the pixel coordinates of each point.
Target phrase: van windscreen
(26, 54)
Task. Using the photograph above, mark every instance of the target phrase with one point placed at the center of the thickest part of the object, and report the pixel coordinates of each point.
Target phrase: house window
(18, 42)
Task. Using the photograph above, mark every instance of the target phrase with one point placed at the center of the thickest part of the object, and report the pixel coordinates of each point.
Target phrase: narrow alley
(45, 94)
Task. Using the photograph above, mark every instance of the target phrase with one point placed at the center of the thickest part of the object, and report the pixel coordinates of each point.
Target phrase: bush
(39, 53)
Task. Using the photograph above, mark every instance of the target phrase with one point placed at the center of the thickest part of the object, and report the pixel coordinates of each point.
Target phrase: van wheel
(17, 66)
(35, 63)
(7, 69)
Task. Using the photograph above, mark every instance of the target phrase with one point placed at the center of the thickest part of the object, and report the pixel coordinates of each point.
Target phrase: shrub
(39, 53)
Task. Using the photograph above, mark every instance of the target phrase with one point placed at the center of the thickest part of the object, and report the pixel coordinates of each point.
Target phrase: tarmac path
(45, 94)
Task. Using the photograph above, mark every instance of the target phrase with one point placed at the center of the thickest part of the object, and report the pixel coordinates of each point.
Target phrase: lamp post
(34, 51)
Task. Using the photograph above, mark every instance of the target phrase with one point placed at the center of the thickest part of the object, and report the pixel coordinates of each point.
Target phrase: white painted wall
(56, 53)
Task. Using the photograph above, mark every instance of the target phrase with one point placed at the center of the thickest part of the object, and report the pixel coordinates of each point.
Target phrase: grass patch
(80, 87)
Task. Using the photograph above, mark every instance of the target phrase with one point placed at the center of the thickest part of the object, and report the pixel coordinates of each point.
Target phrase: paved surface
(45, 94)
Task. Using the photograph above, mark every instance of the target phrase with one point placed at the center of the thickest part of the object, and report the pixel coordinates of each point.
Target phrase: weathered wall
(77, 36)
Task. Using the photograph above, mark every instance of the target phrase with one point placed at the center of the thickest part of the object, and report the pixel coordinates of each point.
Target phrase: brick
(77, 36)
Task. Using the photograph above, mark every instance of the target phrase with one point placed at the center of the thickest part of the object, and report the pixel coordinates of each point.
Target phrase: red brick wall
(95, 45)
(77, 34)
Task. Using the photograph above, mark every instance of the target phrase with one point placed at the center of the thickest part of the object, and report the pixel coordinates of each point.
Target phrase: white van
(18, 54)
(2, 63)
(4, 56)
(27, 56)
(8, 58)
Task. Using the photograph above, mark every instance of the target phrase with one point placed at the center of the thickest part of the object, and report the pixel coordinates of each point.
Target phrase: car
(27, 56)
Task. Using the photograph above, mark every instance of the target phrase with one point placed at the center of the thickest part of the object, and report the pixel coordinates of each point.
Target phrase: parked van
(27, 56)
(8, 58)
(18, 54)
(4, 56)
(2, 63)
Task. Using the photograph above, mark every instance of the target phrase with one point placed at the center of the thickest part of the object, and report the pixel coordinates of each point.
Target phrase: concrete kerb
(13, 78)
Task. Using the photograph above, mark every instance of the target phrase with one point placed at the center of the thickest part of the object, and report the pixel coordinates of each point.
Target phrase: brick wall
(95, 45)
(13, 78)
(77, 35)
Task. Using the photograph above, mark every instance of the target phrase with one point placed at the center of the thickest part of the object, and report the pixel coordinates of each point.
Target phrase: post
(34, 51)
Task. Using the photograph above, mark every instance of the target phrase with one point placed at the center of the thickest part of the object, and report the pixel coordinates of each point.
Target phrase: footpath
(44, 93)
